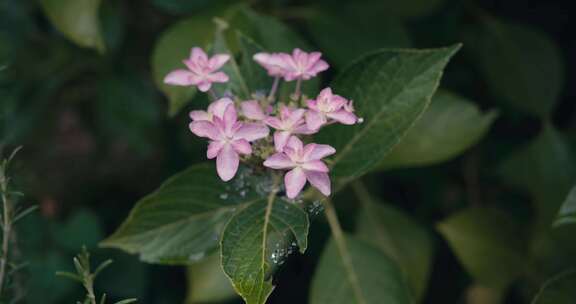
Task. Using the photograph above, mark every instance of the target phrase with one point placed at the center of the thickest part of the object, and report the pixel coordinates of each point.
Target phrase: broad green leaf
(488, 245)
(207, 283)
(77, 20)
(546, 169)
(255, 237)
(181, 221)
(185, 6)
(370, 278)
(174, 46)
(362, 35)
(567, 214)
(399, 237)
(478, 294)
(449, 126)
(558, 290)
(390, 89)
(236, 84)
(521, 65)
(256, 77)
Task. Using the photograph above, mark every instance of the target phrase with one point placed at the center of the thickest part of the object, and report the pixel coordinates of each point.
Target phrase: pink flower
(289, 121)
(202, 71)
(251, 109)
(272, 62)
(229, 138)
(306, 165)
(329, 106)
(302, 65)
(216, 108)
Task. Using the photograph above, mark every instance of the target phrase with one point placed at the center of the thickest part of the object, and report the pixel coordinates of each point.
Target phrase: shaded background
(96, 136)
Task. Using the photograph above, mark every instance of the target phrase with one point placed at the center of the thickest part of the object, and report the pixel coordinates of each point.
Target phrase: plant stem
(274, 88)
(89, 285)
(340, 239)
(298, 89)
(6, 228)
(212, 94)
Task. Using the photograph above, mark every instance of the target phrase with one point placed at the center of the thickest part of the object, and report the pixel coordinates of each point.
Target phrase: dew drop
(360, 120)
(224, 196)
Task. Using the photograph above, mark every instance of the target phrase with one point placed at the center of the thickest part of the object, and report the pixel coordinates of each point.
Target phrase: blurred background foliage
(471, 192)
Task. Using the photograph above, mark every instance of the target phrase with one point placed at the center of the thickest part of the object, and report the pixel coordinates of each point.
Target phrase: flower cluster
(240, 129)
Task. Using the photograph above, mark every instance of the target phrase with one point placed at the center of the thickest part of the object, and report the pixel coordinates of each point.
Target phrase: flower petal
(204, 85)
(230, 118)
(252, 110)
(219, 106)
(274, 122)
(315, 165)
(242, 146)
(343, 117)
(280, 140)
(316, 151)
(181, 78)
(220, 77)
(279, 161)
(204, 129)
(252, 131)
(197, 54)
(214, 148)
(227, 162)
(314, 120)
(320, 181)
(294, 181)
(295, 144)
(218, 60)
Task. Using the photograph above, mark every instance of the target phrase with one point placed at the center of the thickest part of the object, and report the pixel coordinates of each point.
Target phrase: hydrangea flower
(202, 71)
(289, 121)
(329, 106)
(302, 65)
(229, 138)
(305, 164)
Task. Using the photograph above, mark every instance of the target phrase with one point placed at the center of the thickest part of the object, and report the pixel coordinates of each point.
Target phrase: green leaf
(207, 282)
(256, 77)
(255, 237)
(521, 65)
(567, 214)
(546, 169)
(376, 278)
(558, 289)
(450, 126)
(77, 20)
(362, 35)
(399, 237)
(488, 245)
(181, 221)
(174, 46)
(236, 85)
(391, 89)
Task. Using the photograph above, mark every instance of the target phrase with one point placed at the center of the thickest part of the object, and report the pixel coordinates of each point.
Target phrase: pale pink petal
(252, 110)
(214, 148)
(312, 104)
(295, 116)
(218, 60)
(274, 122)
(280, 140)
(200, 115)
(218, 77)
(303, 129)
(181, 78)
(204, 86)
(295, 144)
(320, 181)
(294, 181)
(343, 117)
(316, 151)
(314, 119)
(205, 129)
(219, 106)
(227, 162)
(279, 161)
(320, 66)
(242, 146)
(315, 165)
(230, 118)
(197, 54)
(252, 131)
